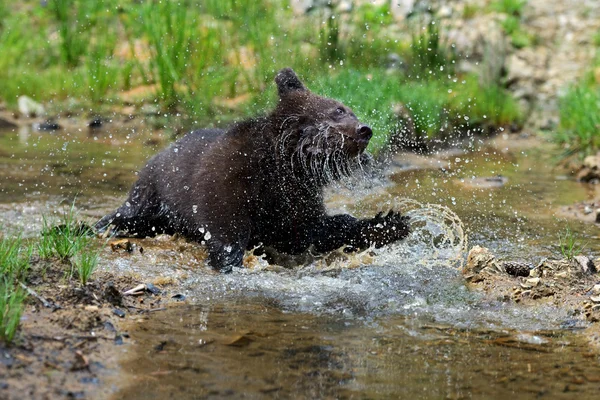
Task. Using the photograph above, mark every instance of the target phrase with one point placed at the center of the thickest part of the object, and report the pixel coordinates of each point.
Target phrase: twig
(42, 300)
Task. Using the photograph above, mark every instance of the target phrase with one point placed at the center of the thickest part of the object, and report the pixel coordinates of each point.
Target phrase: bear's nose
(364, 132)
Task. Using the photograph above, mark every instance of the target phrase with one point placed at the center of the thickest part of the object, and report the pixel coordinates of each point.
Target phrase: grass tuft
(14, 265)
(14, 257)
(569, 245)
(509, 7)
(11, 308)
(65, 239)
(85, 262)
(431, 57)
(579, 111)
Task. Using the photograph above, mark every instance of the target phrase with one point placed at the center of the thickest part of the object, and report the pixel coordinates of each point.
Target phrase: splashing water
(438, 236)
(398, 278)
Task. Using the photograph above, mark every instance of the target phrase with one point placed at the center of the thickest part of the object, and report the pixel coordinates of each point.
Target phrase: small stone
(122, 244)
(587, 265)
(239, 341)
(95, 123)
(118, 313)
(152, 289)
(530, 283)
(47, 126)
(478, 260)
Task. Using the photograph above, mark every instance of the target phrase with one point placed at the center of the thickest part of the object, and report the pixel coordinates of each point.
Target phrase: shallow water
(254, 350)
(396, 322)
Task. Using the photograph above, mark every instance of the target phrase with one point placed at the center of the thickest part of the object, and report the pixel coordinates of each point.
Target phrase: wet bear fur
(259, 182)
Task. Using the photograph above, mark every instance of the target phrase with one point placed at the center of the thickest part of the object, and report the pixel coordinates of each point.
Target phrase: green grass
(518, 37)
(486, 105)
(509, 7)
(579, 111)
(65, 239)
(101, 72)
(215, 60)
(11, 308)
(171, 33)
(437, 106)
(570, 246)
(430, 57)
(14, 264)
(14, 257)
(71, 241)
(85, 262)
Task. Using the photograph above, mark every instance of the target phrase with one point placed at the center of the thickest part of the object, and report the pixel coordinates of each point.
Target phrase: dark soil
(68, 347)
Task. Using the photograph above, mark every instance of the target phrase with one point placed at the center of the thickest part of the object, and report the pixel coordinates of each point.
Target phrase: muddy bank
(72, 336)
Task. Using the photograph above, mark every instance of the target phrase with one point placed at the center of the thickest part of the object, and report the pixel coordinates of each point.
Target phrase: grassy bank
(218, 58)
(63, 241)
(579, 111)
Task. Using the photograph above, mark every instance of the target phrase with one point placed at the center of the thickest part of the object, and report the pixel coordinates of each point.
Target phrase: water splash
(438, 236)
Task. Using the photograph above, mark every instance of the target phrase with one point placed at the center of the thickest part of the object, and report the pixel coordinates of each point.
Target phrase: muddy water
(395, 323)
(252, 350)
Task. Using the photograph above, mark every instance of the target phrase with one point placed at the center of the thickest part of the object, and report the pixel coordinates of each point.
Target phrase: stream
(397, 322)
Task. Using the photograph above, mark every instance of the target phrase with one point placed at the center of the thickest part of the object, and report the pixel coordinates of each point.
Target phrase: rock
(118, 313)
(301, 7)
(590, 170)
(121, 244)
(239, 341)
(576, 268)
(587, 265)
(29, 107)
(592, 162)
(47, 126)
(479, 260)
(95, 123)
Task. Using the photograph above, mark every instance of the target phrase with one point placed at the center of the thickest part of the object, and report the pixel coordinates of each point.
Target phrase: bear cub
(259, 182)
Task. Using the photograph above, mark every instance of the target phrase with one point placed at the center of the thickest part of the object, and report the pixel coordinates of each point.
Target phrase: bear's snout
(364, 133)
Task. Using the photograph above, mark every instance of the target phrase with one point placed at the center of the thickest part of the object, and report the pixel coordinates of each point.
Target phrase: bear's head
(321, 134)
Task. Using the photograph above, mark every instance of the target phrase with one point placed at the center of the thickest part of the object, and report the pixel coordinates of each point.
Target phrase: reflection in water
(251, 350)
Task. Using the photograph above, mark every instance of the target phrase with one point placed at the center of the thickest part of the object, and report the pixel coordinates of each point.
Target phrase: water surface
(397, 322)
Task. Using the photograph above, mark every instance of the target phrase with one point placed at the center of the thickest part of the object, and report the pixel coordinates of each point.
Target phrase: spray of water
(438, 238)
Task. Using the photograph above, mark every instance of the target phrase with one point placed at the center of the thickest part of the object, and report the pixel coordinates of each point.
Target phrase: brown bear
(259, 182)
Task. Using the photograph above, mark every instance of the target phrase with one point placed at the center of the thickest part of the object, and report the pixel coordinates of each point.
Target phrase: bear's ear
(287, 81)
